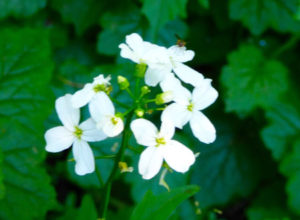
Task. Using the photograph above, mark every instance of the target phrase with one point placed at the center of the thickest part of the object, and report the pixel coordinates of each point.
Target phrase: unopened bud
(139, 112)
(164, 98)
(123, 82)
(145, 90)
(124, 167)
(140, 70)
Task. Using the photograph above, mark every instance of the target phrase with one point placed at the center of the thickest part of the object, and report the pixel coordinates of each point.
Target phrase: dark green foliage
(250, 48)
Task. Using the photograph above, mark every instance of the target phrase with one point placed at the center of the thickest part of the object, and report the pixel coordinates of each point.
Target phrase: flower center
(160, 141)
(114, 120)
(78, 132)
(99, 88)
(190, 107)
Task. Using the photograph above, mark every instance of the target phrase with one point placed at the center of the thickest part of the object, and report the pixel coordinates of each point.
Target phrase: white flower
(160, 146)
(71, 133)
(143, 52)
(102, 111)
(85, 95)
(187, 106)
(178, 56)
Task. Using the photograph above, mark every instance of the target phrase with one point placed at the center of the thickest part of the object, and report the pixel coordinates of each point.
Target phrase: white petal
(204, 95)
(84, 157)
(178, 156)
(83, 96)
(176, 113)
(101, 106)
(154, 76)
(58, 139)
(144, 132)
(68, 115)
(112, 130)
(135, 42)
(150, 162)
(202, 128)
(180, 54)
(187, 74)
(167, 129)
(127, 53)
(90, 131)
(180, 94)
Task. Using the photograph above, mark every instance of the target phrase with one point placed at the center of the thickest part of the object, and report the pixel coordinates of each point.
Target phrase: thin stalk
(119, 157)
(287, 45)
(119, 103)
(99, 177)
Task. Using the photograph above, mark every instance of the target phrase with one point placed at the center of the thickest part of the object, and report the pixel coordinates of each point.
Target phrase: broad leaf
(25, 71)
(159, 12)
(82, 14)
(252, 81)
(161, 206)
(259, 15)
(20, 8)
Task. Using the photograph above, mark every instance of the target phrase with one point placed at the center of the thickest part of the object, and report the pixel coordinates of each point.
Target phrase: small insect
(180, 42)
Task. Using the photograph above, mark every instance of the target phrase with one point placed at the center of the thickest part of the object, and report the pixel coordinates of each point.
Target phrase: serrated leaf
(25, 71)
(159, 12)
(20, 8)
(161, 206)
(82, 14)
(259, 15)
(269, 204)
(116, 26)
(227, 169)
(284, 126)
(252, 81)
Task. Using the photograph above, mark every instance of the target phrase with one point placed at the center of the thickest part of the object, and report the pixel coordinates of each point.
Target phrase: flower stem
(119, 157)
(99, 177)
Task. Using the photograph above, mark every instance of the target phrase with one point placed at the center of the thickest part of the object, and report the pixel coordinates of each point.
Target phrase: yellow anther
(100, 88)
(190, 107)
(160, 141)
(78, 132)
(114, 120)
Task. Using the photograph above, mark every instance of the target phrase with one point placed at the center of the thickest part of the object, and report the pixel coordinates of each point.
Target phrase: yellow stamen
(114, 120)
(190, 107)
(160, 141)
(78, 132)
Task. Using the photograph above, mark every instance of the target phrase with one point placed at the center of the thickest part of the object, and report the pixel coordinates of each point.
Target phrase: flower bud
(140, 70)
(164, 98)
(124, 167)
(139, 112)
(123, 82)
(145, 90)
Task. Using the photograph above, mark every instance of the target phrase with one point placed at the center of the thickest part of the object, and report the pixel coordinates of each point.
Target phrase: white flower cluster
(162, 66)
(103, 123)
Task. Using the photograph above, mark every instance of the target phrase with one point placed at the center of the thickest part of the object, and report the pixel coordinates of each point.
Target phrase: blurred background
(248, 47)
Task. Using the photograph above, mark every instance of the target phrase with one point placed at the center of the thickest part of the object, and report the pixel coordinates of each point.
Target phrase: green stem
(287, 45)
(99, 177)
(130, 93)
(119, 103)
(119, 157)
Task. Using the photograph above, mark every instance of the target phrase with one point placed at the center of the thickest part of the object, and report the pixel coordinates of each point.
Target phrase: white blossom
(160, 147)
(102, 111)
(72, 133)
(187, 108)
(86, 94)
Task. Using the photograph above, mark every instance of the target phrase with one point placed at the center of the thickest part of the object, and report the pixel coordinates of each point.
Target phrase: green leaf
(269, 204)
(25, 71)
(20, 8)
(204, 3)
(229, 168)
(2, 189)
(161, 206)
(82, 14)
(116, 26)
(159, 12)
(290, 167)
(282, 130)
(252, 81)
(259, 15)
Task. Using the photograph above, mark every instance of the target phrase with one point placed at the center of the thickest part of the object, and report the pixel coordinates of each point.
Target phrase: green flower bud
(145, 90)
(123, 82)
(139, 112)
(140, 70)
(164, 97)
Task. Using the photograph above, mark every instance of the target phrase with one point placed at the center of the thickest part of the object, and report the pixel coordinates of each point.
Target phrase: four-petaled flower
(186, 108)
(102, 111)
(85, 95)
(72, 133)
(160, 147)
